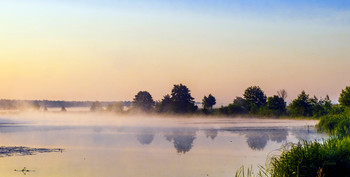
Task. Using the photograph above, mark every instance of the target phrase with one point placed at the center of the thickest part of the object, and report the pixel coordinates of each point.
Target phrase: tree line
(253, 103)
(180, 101)
(8, 104)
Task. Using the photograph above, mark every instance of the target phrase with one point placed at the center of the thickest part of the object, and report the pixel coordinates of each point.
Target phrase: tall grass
(336, 125)
(310, 159)
(322, 159)
(249, 172)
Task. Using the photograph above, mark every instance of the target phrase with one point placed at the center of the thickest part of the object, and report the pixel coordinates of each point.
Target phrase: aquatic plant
(241, 172)
(22, 151)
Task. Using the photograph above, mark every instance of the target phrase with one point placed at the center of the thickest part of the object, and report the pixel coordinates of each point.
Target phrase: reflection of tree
(182, 139)
(145, 137)
(257, 140)
(278, 135)
(307, 134)
(211, 133)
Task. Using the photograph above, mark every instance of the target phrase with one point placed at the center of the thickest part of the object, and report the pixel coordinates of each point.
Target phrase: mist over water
(144, 145)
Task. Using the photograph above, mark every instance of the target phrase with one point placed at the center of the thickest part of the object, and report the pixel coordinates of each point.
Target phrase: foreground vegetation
(327, 158)
(309, 159)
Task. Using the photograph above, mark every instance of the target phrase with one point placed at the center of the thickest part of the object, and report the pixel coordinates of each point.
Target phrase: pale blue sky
(109, 50)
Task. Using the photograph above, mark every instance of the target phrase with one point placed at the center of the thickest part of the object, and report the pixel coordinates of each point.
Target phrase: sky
(109, 50)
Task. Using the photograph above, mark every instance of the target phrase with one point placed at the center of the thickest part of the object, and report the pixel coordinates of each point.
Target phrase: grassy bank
(313, 159)
(307, 159)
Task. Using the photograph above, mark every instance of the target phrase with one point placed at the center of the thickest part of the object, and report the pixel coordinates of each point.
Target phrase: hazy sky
(110, 50)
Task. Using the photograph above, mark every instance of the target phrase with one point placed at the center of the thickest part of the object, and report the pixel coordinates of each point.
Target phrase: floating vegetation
(7, 151)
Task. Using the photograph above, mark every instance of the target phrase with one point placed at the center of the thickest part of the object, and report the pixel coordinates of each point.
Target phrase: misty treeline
(180, 101)
(253, 103)
(7, 104)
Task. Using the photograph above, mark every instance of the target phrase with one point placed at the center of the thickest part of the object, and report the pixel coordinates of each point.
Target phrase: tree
(276, 105)
(344, 98)
(301, 106)
(328, 104)
(282, 94)
(236, 109)
(117, 107)
(165, 105)
(244, 104)
(320, 107)
(255, 96)
(182, 101)
(317, 107)
(96, 106)
(63, 109)
(36, 105)
(208, 102)
(143, 100)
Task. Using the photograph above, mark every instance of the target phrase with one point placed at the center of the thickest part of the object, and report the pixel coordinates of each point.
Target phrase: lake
(99, 145)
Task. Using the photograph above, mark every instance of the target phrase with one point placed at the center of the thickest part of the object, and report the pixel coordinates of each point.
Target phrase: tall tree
(276, 104)
(344, 98)
(143, 100)
(182, 100)
(282, 94)
(255, 96)
(208, 102)
(301, 106)
(318, 106)
(165, 105)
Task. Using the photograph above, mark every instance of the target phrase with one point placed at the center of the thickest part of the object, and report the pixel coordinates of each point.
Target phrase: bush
(336, 110)
(232, 109)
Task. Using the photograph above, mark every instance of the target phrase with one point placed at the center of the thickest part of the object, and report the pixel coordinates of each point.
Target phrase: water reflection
(143, 149)
(257, 141)
(308, 134)
(258, 138)
(182, 139)
(145, 137)
(278, 136)
(211, 133)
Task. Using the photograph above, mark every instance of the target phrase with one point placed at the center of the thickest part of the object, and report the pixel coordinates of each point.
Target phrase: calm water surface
(107, 146)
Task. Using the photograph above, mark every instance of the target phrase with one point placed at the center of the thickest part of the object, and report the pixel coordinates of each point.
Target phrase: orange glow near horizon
(99, 54)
